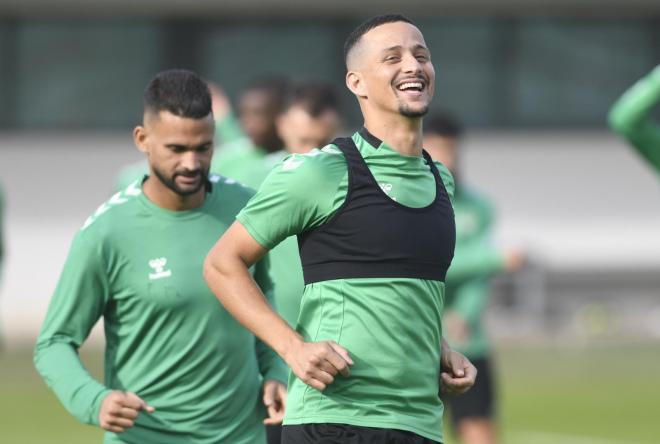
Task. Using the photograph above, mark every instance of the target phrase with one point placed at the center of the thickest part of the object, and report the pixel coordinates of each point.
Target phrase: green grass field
(595, 395)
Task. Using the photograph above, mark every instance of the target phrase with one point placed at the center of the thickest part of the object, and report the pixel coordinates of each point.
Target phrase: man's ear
(140, 138)
(355, 84)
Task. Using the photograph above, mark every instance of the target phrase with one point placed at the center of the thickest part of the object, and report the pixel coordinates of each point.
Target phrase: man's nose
(190, 160)
(411, 64)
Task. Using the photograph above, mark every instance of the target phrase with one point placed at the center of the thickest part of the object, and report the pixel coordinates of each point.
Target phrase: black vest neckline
(366, 173)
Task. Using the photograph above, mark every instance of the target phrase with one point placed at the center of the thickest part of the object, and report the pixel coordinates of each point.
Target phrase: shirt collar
(370, 138)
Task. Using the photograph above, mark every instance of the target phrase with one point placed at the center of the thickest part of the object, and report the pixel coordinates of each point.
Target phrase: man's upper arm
(262, 277)
(80, 296)
(296, 196)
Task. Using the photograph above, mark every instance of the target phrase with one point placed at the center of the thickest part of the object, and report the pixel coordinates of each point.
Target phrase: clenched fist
(119, 410)
(317, 363)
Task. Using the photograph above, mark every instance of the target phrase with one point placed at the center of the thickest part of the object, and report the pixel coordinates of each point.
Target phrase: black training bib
(373, 236)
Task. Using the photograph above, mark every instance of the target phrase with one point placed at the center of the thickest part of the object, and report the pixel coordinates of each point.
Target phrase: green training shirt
(631, 117)
(391, 327)
(475, 261)
(168, 339)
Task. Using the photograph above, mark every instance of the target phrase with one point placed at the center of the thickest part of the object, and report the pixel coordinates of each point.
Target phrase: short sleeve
(297, 195)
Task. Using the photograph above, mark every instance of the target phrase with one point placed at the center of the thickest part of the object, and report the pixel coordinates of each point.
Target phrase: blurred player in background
(244, 139)
(259, 106)
(310, 118)
(631, 117)
(178, 367)
(376, 235)
(475, 261)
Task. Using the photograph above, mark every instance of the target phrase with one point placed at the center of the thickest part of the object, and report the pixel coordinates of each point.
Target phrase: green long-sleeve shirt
(631, 117)
(475, 261)
(168, 339)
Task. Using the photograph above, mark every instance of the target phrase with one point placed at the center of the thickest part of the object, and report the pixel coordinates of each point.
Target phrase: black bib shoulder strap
(358, 172)
(434, 169)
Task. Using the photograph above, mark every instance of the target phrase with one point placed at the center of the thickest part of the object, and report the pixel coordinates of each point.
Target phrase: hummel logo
(158, 265)
(386, 187)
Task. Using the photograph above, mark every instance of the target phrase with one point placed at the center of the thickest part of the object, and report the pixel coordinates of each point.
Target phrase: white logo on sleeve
(158, 265)
(291, 163)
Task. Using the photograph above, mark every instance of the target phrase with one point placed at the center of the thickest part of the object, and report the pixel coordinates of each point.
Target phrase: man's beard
(406, 111)
(171, 182)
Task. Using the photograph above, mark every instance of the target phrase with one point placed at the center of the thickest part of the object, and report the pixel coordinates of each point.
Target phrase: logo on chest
(158, 266)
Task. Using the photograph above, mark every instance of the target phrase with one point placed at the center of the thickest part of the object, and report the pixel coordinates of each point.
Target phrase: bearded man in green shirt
(376, 235)
(178, 367)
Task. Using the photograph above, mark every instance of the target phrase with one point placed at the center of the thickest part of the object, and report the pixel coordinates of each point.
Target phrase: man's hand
(457, 373)
(317, 363)
(119, 410)
(275, 401)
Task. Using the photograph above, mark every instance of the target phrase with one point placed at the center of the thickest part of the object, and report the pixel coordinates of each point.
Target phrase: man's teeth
(408, 85)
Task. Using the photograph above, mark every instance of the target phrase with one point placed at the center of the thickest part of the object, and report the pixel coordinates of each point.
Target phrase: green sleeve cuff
(93, 415)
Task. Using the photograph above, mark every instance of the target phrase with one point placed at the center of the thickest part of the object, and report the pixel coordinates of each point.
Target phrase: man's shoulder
(327, 163)
(228, 188)
(112, 213)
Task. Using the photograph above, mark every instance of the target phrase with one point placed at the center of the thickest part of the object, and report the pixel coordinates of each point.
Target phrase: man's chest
(160, 267)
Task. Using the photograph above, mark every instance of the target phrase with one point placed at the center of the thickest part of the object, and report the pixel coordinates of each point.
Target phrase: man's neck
(400, 133)
(167, 199)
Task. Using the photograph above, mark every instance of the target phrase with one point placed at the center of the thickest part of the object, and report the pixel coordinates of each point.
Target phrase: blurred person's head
(177, 130)
(310, 117)
(258, 107)
(442, 134)
(389, 68)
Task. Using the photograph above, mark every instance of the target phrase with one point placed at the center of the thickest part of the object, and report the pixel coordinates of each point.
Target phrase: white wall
(577, 200)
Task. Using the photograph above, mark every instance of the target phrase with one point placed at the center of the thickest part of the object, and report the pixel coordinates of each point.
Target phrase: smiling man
(376, 235)
(178, 367)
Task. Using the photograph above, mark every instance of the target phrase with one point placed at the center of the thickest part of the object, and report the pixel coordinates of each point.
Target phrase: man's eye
(391, 58)
(422, 58)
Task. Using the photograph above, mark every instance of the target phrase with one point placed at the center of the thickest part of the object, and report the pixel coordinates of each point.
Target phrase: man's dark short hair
(367, 26)
(314, 98)
(180, 92)
(443, 124)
